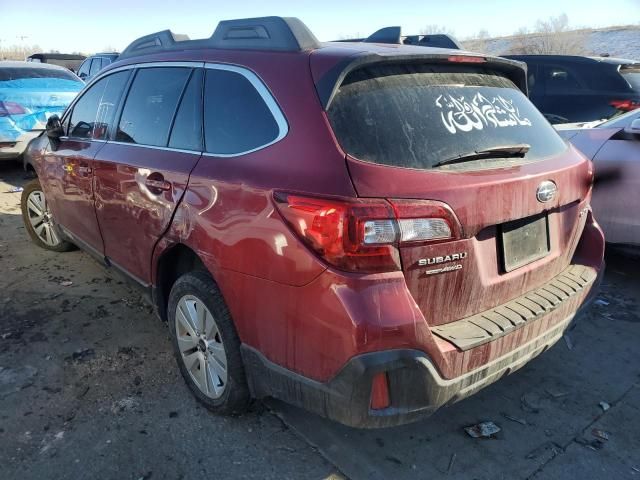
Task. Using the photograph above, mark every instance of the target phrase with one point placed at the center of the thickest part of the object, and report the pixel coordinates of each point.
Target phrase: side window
(151, 105)
(92, 112)
(236, 117)
(560, 79)
(84, 112)
(109, 103)
(83, 71)
(186, 133)
(96, 64)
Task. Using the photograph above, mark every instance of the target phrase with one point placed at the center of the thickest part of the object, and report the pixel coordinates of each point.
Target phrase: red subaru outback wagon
(367, 231)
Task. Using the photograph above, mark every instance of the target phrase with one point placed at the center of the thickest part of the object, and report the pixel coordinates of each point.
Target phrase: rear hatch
(431, 135)
(30, 95)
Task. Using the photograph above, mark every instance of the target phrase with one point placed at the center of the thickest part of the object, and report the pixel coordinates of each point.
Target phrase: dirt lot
(89, 389)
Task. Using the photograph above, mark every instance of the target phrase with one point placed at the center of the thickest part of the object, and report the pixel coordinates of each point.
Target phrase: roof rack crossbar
(265, 33)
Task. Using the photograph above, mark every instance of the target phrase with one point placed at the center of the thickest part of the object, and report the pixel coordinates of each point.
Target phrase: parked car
(380, 232)
(70, 61)
(29, 94)
(568, 88)
(393, 35)
(614, 146)
(92, 65)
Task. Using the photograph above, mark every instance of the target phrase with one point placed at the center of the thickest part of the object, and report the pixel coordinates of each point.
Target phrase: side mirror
(54, 127)
(633, 128)
(54, 131)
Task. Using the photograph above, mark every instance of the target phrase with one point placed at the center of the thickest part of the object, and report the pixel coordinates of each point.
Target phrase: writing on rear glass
(460, 114)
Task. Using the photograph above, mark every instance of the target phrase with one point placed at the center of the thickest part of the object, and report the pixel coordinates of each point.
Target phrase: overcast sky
(92, 26)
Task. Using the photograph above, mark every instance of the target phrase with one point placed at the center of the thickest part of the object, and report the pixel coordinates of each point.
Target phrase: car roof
(19, 64)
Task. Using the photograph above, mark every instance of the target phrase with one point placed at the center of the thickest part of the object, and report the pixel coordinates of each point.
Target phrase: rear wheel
(39, 221)
(206, 344)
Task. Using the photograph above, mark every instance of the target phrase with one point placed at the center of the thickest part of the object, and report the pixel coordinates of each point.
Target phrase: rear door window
(151, 105)
(186, 133)
(418, 116)
(236, 117)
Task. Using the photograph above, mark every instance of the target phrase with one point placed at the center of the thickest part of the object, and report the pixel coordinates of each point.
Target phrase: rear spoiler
(393, 35)
(327, 85)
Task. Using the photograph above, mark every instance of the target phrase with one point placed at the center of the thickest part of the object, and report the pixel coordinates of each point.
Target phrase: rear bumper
(416, 387)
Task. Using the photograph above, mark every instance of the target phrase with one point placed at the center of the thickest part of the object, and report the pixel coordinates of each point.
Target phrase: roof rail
(265, 33)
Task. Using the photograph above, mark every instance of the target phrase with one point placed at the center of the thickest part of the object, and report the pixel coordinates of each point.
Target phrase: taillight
(625, 105)
(11, 108)
(363, 235)
(344, 233)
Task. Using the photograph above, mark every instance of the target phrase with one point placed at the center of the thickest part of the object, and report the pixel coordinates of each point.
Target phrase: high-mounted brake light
(466, 59)
(363, 235)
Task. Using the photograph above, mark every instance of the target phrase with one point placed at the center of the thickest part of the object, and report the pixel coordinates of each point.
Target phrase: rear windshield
(632, 76)
(8, 74)
(418, 116)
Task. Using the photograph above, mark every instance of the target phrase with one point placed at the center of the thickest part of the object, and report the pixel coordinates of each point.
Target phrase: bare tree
(18, 52)
(551, 36)
(435, 29)
(478, 42)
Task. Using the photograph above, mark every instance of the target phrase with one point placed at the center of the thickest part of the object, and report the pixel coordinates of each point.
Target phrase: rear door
(68, 168)
(397, 123)
(142, 172)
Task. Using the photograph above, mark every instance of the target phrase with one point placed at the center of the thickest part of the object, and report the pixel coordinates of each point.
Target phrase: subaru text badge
(546, 191)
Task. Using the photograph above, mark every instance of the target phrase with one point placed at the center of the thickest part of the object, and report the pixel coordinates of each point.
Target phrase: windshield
(417, 116)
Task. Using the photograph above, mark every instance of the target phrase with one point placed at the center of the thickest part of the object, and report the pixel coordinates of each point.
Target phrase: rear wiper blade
(503, 151)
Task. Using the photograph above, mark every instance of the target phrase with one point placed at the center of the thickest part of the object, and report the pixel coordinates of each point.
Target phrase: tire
(45, 233)
(197, 348)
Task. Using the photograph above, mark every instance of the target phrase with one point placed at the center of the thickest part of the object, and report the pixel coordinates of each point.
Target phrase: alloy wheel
(41, 219)
(201, 347)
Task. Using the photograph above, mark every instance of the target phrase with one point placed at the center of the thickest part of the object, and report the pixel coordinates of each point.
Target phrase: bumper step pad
(485, 327)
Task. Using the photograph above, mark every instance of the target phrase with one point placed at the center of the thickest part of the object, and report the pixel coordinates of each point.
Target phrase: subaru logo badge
(546, 191)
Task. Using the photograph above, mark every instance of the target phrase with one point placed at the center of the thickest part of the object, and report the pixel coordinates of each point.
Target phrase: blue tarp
(27, 103)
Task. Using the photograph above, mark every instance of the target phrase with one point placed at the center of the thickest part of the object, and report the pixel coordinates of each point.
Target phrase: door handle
(157, 184)
(84, 170)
